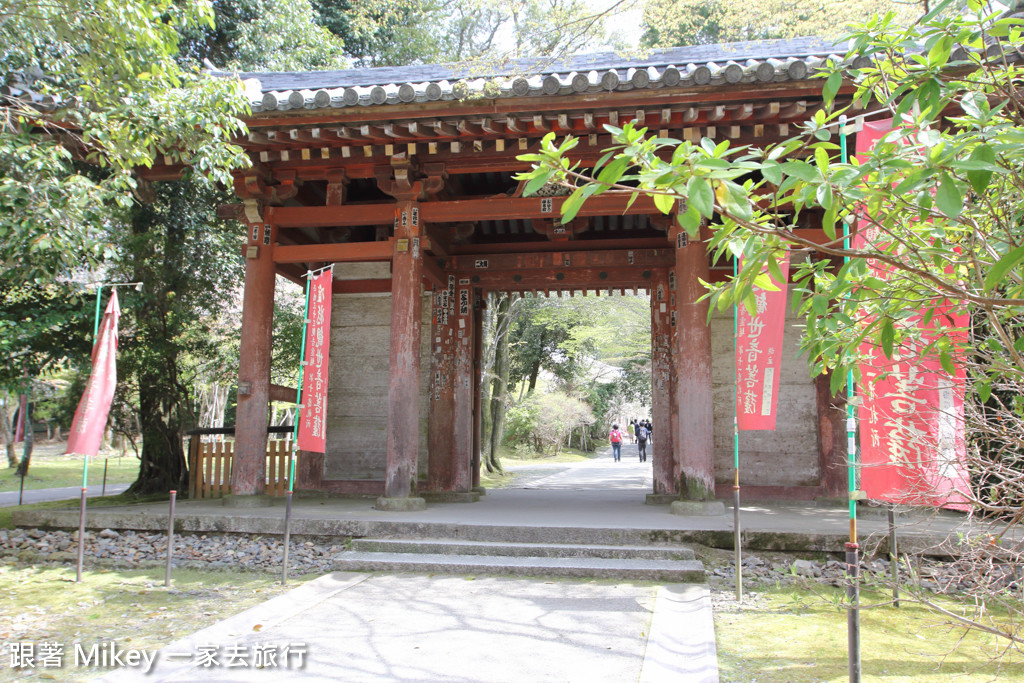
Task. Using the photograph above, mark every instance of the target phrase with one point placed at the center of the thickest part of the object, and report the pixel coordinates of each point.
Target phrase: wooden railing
(209, 465)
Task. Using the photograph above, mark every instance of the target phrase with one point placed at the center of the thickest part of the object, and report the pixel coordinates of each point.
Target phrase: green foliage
(402, 32)
(671, 23)
(264, 35)
(122, 100)
(546, 420)
(43, 328)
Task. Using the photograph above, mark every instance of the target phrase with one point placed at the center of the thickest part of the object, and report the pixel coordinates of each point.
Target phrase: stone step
(681, 571)
(460, 547)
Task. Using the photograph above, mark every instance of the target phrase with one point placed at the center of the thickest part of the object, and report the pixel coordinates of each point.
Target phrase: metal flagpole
(295, 434)
(85, 459)
(736, 451)
(852, 547)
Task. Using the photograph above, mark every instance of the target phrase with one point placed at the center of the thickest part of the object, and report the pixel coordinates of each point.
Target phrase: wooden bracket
(337, 188)
(560, 232)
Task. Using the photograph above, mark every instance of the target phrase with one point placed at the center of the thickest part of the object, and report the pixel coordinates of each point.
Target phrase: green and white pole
(736, 452)
(852, 546)
(295, 433)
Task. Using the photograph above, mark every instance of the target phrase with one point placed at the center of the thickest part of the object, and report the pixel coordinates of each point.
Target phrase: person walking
(641, 441)
(632, 431)
(615, 438)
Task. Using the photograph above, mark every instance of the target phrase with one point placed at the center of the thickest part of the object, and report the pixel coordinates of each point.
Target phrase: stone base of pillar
(698, 508)
(450, 496)
(400, 504)
(661, 498)
(259, 500)
(479, 489)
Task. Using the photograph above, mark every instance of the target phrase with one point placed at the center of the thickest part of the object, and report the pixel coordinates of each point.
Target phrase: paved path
(600, 473)
(10, 498)
(467, 629)
(405, 627)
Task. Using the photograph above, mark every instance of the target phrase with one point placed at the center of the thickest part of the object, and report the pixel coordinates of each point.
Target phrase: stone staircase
(513, 558)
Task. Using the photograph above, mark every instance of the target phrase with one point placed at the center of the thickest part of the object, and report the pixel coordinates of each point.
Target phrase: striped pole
(295, 435)
(852, 547)
(736, 453)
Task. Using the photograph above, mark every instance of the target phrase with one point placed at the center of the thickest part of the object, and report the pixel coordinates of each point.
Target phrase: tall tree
(672, 23)
(112, 93)
(189, 263)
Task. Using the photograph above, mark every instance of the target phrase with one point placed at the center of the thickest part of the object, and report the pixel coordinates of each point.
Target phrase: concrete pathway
(10, 498)
(404, 627)
(601, 473)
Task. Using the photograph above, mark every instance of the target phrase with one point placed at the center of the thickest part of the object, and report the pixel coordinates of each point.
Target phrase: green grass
(50, 468)
(512, 457)
(792, 635)
(131, 607)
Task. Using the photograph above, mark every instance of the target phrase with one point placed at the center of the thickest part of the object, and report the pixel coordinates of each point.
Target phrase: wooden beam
(432, 273)
(335, 253)
(283, 393)
(548, 281)
(457, 211)
(375, 286)
(554, 261)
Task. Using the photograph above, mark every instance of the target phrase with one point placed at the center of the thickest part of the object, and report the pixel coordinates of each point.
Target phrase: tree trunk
(26, 453)
(162, 467)
(535, 369)
(499, 384)
(5, 429)
(163, 400)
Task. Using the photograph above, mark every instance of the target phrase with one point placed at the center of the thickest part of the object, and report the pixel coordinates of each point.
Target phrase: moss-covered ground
(799, 635)
(131, 607)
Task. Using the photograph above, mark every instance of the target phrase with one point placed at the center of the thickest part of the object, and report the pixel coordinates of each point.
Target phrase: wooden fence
(209, 466)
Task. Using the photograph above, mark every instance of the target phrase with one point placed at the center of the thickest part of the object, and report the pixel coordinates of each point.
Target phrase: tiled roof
(729, 63)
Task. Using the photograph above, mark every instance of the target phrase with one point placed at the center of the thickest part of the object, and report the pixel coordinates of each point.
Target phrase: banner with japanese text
(911, 412)
(90, 419)
(759, 355)
(313, 424)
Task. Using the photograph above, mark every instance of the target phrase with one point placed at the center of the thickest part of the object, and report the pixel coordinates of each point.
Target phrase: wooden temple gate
(411, 171)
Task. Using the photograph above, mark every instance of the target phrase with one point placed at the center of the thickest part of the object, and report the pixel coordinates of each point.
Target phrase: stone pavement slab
(407, 627)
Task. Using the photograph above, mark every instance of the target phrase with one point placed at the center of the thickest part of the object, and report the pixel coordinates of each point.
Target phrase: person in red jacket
(615, 437)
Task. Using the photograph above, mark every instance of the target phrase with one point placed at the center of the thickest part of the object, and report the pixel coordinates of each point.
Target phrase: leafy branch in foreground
(936, 210)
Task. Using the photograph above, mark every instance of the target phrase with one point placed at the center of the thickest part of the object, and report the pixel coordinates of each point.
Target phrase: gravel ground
(141, 549)
(307, 556)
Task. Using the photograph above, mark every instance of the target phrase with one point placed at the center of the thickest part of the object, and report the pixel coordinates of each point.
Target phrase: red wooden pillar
(663, 453)
(462, 439)
(673, 393)
(832, 459)
(404, 368)
(478, 354)
(695, 435)
(248, 469)
(440, 459)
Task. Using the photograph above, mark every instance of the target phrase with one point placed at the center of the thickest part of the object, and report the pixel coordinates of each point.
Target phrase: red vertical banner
(313, 424)
(911, 414)
(759, 355)
(94, 407)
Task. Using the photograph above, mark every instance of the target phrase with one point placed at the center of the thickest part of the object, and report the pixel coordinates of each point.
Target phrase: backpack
(641, 433)
(616, 436)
